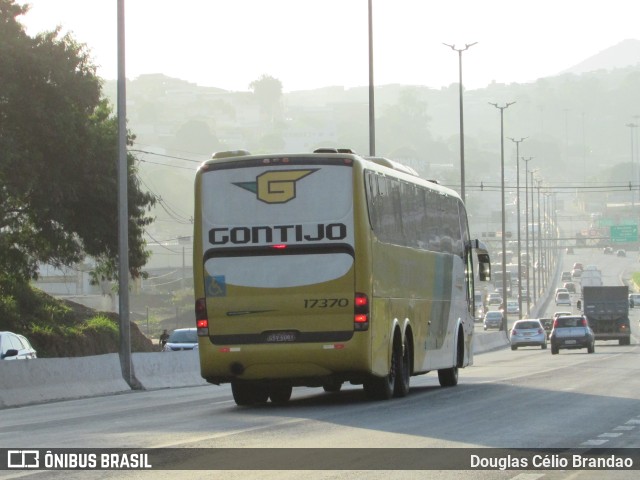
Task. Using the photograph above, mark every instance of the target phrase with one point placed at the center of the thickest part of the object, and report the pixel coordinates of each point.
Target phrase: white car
(563, 298)
(14, 346)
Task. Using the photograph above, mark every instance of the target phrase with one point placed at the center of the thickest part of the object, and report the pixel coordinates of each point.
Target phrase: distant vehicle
(578, 265)
(494, 299)
(566, 276)
(571, 332)
(528, 333)
(560, 290)
(569, 250)
(588, 280)
(621, 253)
(607, 251)
(634, 299)
(525, 295)
(493, 319)
(478, 304)
(576, 273)
(570, 286)
(513, 307)
(607, 309)
(547, 324)
(560, 314)
(14, 346)
(563, 298)
(182, 339)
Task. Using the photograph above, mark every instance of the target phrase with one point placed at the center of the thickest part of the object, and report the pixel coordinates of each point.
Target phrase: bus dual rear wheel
(396, 382)
(246, 393)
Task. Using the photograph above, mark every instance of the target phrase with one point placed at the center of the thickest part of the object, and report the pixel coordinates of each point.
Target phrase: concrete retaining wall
(24, 382)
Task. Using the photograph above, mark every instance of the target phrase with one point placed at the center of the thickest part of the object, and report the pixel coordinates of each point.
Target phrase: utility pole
(526, 221)
(460, 50)
(504, 243)
(517, 142)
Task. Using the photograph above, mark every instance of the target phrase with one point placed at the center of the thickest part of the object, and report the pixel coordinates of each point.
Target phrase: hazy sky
(310, 44)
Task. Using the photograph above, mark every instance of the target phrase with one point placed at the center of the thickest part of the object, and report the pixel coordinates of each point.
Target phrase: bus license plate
(278, 337)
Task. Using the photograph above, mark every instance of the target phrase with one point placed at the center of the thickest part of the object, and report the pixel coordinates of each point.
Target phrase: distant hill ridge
(624, 54)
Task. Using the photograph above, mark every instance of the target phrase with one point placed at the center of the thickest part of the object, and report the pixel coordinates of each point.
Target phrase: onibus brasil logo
(277, 186)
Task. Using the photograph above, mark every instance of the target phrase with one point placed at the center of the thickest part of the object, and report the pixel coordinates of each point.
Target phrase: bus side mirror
(484, 273)
(484, 267)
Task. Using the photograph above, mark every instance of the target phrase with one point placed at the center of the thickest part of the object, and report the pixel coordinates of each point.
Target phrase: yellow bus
(316, 269)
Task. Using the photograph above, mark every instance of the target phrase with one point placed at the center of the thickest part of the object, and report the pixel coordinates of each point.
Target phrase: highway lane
(525, 398)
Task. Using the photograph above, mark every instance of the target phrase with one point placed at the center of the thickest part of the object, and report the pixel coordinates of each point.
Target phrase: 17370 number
(325, 302)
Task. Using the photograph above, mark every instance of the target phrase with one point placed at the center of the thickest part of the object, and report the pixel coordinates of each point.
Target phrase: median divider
(489, 341)
(25, 382)
(41, 380)
(155, 370)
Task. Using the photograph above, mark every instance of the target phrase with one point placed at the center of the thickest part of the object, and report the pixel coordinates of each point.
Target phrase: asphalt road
(507, 399)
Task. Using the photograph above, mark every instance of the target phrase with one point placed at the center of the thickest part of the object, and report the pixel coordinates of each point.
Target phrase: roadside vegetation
(59, 188)
(58, 328)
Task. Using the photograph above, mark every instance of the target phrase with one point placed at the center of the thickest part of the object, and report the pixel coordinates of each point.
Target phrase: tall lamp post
(526, 222)
(460, 50)
(372, 121)
(517, 142)
(632, 126)
(504, 244)
(540, 262)
(533, 238)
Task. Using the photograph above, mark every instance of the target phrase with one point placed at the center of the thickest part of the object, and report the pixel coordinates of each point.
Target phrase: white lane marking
(594, 442)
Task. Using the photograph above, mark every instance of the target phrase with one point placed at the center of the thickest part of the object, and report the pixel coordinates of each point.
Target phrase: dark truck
(607, 309)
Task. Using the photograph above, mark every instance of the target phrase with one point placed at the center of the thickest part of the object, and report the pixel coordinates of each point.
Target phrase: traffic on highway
(526, 398)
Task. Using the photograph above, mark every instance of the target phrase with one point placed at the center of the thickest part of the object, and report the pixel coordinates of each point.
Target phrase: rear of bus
(275, 271)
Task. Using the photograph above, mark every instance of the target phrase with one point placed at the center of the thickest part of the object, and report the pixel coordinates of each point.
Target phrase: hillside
(60, 328)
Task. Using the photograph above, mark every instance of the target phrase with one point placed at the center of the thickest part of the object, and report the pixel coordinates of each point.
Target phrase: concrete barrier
(489, 341)
(25, 382)
(167, 369)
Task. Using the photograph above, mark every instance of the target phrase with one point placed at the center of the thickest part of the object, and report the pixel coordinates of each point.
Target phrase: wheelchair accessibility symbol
(215, 286)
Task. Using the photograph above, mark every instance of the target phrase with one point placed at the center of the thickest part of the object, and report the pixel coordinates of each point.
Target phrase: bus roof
(401, 170)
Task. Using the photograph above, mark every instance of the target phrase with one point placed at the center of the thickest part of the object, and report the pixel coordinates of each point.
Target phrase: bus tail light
(361, 312)
(202, 320)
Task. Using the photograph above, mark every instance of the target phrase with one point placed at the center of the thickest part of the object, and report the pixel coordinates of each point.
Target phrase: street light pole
(540, 274)
(632, 126)
(517, 142)
(504, 243)
(533, 239)
(460, 50)
(526, 222)
(372, 121)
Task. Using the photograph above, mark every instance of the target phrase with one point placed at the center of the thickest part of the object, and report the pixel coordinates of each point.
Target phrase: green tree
(268, 93)
(58, 158)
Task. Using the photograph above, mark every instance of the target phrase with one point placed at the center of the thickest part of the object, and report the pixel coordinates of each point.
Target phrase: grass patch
(58, 328)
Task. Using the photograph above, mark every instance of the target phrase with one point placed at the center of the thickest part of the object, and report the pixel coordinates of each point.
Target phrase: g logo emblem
(276, 186)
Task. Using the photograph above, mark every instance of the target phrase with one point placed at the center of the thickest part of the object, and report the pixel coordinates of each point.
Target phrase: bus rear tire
(332, 386)
(403, 379)
(448, 377)
(245, 393)
(280, 394)
(383, 388)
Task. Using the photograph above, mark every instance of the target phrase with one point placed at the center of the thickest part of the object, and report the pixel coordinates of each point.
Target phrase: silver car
(493, 319)
(528, 332)
(182, 339)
